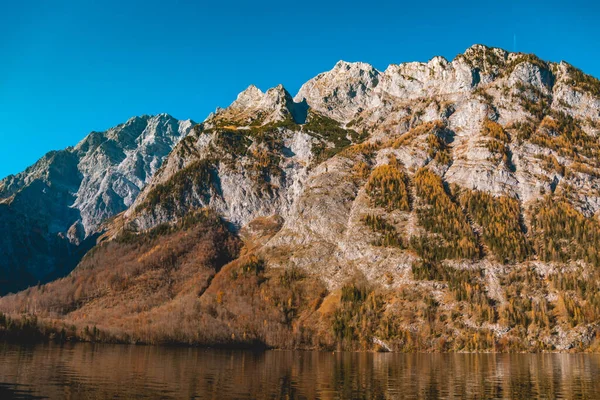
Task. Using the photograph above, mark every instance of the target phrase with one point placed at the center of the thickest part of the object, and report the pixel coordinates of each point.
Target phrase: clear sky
(70, 67)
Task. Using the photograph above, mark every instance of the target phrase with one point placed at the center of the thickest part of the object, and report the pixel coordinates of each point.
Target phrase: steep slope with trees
(440, 206)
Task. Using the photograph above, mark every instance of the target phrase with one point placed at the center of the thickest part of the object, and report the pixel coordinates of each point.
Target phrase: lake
(99, 371)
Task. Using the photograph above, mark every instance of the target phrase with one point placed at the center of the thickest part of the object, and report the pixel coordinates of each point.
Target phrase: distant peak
(278, 91)
(253, 96)
(251, 91)
(483, 47)
(254, 106)
(145, 118)
(250, 95)
(477, 47)
(477, 50)
(137, 118)
(347, 88)
(278, 88)
(347, 66)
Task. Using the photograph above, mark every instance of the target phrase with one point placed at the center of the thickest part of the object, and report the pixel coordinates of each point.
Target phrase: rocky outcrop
(242, 171)
(253, 107)
(342, 92)
(483, 84)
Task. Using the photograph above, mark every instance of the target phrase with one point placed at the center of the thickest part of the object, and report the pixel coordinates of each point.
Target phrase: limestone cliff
(50, 210)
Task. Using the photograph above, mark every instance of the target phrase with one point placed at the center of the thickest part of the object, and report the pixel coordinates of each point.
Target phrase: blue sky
(70, 67)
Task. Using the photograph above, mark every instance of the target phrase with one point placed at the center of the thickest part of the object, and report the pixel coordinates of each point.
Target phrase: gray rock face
(115, 171)
(238, 182)
(343, 91)
(50, 211)
(320, 199)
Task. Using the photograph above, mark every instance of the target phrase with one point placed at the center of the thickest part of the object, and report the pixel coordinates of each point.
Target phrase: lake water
(105, 371)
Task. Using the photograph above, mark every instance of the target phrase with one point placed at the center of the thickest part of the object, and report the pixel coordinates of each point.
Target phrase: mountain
(439, 206)
(49, 213)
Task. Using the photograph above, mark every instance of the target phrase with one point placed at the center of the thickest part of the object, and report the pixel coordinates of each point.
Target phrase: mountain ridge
(67, 194)
(440, 206)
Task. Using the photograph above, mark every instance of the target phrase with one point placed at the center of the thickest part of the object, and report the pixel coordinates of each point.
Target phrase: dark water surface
(91, 371)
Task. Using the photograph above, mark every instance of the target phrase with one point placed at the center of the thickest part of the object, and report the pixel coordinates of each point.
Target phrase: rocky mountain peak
(356, 67)
(480, 51)
(357, 91)
(342, 91)
(254, 107)
(249, 96)
(52, 207)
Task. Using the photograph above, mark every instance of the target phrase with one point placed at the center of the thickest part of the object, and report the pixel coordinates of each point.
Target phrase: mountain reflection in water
(105, 371)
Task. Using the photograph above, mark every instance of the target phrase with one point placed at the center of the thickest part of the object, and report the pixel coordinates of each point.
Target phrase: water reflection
(104, 371)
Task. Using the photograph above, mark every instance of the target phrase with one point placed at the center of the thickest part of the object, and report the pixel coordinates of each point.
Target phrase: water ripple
(105, 371)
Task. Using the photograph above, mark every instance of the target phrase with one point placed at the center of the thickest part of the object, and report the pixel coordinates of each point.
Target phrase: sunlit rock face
(483, 84)
(256, 159)
(468, 186)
